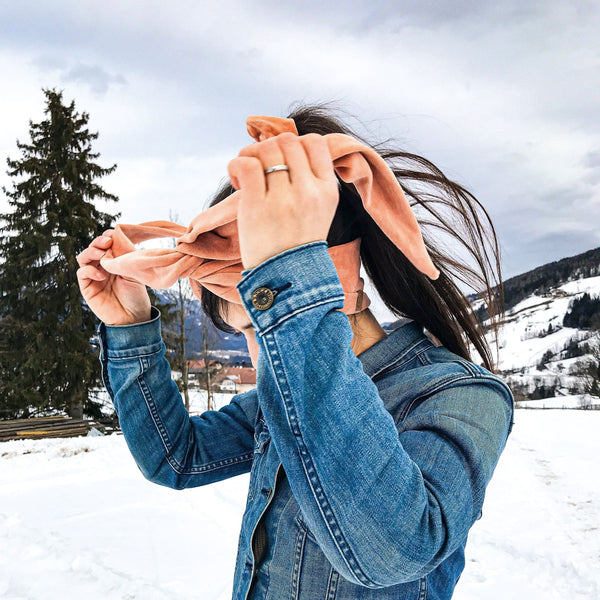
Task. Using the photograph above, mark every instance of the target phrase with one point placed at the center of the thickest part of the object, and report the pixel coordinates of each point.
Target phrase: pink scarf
(208, 252)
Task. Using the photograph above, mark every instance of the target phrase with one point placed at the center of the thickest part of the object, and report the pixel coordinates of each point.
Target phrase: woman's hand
(283, 209)
(114, 299)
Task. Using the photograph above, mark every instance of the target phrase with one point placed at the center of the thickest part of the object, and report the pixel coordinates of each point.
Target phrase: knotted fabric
(208, 251)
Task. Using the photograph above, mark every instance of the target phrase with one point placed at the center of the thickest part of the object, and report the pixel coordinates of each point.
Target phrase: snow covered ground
(78, 520)
(566, 401)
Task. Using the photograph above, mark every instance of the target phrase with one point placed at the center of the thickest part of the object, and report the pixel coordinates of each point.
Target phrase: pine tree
(46, 359)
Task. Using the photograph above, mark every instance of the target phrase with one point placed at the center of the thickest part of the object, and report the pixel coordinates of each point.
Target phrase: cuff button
(262, 298)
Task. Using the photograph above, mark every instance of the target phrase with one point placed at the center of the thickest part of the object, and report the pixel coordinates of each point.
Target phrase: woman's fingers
(316, 149)
(101, 243)
(269, 154)
(93, 253)
(90, 254)
(89, 278)
(294, 156)
(246, 172)
(301, 202)
(304, 155)
(90, 272)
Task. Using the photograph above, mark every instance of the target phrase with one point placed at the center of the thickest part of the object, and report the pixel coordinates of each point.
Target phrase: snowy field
(78, 520)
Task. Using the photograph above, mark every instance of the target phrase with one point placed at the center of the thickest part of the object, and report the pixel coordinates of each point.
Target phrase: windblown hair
(438, 305)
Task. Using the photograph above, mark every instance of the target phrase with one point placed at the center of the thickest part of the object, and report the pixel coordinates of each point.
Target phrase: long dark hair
(438, 305)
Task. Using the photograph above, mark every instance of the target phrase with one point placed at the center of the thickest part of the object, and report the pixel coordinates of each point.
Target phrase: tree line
(546, 277)
(543, 279)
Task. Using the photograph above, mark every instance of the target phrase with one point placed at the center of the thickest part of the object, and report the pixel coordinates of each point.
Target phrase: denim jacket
(366, 472)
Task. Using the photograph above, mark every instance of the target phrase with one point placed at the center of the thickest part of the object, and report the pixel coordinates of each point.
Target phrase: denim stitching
(399, 361)
(253, 475)
(104, 362)
(298, 556)
(440, 386)
(446, 383)
(305, 299)
(162, 432)
(296, 311)
(112, 356)
(467, 365)
(401, 357)
(311, 473)
(292, 498)
(332, 584)
(291, 251)
(305, 528)
(424, 359)
(266, 566)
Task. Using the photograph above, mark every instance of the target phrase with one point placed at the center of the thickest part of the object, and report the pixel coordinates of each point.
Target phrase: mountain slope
(540, 357)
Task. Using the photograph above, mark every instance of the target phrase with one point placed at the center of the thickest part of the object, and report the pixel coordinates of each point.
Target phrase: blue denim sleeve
(170, 447)
(387, 504)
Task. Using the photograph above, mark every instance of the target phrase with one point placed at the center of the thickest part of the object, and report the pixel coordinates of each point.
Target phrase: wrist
(132, 321)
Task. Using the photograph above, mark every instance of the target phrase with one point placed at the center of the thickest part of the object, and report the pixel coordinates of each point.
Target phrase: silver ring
(276, 168)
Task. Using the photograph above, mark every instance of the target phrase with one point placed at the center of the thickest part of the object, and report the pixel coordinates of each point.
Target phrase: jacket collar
(403, 335)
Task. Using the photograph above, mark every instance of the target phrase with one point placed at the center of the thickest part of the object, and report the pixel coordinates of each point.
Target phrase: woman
(369, 453)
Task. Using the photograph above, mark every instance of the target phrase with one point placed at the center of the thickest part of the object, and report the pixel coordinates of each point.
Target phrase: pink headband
(208, 252)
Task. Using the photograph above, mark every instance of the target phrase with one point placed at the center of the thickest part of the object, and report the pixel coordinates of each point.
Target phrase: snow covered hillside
(78, 520)
(532, 345)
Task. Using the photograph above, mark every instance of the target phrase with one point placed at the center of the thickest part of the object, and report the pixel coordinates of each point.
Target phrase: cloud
(564, 198)
(591, 164)
(502, 97)
(592, 159)
(93, 76)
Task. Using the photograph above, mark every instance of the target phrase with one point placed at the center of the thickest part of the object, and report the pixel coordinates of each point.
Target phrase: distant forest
(583, 313)
(542, 279)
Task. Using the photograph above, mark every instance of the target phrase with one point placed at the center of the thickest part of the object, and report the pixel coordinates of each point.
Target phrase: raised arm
(170, 447)
(386, 503)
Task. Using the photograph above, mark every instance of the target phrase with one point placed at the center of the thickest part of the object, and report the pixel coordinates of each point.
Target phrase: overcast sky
(502, 96)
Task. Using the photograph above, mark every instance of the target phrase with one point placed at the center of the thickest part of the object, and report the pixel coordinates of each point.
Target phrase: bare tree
(183, 315)
(208, 342)
(181, 321)
(185, 299)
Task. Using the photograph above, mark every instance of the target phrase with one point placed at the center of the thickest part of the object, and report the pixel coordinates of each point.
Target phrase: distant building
(198, 366)
(234, 380)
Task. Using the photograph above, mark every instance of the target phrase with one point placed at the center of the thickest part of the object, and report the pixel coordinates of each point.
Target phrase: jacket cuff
(288, 283)
(132, 339)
